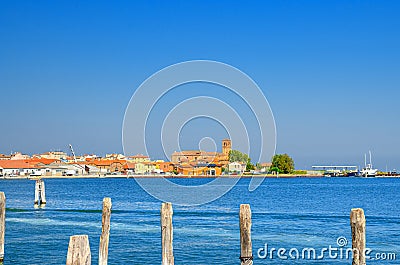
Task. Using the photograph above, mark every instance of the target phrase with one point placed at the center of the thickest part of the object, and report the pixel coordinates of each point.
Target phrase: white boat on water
(368, 170)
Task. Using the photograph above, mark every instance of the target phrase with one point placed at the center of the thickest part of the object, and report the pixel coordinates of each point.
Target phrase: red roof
(129, 165)
(45, 161)
(106, 162)
(17, 164)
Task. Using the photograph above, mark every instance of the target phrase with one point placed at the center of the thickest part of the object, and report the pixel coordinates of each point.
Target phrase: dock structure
(334, 167)
(40, 193)
(2, 224)
(337, 170)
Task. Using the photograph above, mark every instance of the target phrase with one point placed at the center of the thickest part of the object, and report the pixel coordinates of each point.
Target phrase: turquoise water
(287, 213)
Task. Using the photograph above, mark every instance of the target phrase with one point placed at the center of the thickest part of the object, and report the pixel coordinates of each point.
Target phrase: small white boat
(368, 170)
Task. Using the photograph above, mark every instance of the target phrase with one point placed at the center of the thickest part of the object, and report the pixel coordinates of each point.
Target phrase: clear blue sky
(330, 70)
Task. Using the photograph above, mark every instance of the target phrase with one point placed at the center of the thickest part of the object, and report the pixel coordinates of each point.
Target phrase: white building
(18, 168)
(236, 167)
(145, 168)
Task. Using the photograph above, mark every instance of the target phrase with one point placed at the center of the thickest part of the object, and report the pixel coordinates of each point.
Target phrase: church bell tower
(226, 146)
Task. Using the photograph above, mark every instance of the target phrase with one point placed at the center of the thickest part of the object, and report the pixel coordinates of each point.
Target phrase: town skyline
(183, 162)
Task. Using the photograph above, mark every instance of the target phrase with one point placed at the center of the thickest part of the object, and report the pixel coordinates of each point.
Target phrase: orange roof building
(198, 156)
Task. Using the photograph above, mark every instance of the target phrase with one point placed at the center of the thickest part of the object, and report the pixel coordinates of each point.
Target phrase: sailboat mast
(370, 158)
(365, 160)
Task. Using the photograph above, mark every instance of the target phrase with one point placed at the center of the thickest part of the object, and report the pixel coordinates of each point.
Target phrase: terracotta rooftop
(17, 164)
(106, 162)
(128, 165)
(196, 152)
(44, 161)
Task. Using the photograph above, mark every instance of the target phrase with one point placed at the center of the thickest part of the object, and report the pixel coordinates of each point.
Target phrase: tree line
(281, 163)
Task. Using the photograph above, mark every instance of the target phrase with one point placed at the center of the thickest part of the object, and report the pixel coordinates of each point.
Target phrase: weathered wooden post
(2, 224)
(357, 222)
(79, 251)
(40, 193)
(246, 254)
(105, 231)
(37, 193)
(167, 234)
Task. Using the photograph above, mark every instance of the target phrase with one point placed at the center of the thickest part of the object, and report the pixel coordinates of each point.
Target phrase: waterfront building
(199, 169)
(129, 168)
(54, 170)
(18, 167)
(265, 167)
(203, 157)
(145, 168)
(237, 167)
(107, 165)
(164, 167)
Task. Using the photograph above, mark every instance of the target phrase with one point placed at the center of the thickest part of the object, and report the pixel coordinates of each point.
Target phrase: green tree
(237, 156)
(274, 169)
(283, 162)
(249, 166)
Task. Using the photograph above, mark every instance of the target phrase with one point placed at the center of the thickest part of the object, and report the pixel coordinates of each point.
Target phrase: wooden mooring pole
(40, 193)
(105, 231)
(167, 234)
(79, 251)
(37, 193)
(246, 254)
(2, 224)
(357, 222)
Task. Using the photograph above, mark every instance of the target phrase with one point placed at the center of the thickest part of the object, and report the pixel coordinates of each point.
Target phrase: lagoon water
(287, 213)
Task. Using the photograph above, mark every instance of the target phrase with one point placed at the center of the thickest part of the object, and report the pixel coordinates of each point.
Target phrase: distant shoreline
(158, 176)
(175, 177)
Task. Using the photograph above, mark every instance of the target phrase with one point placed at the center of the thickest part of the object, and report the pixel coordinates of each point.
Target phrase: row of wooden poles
(79, 248)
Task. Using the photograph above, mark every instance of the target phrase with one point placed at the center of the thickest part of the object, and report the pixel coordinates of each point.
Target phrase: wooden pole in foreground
(357, 222)
(79, 251)
(105, 231)
(37, 193)
(246, 254)
(167, 234)
(42, 193)
(2, 224)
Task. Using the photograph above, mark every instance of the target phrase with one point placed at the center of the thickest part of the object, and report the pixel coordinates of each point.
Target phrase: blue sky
(329, 69)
